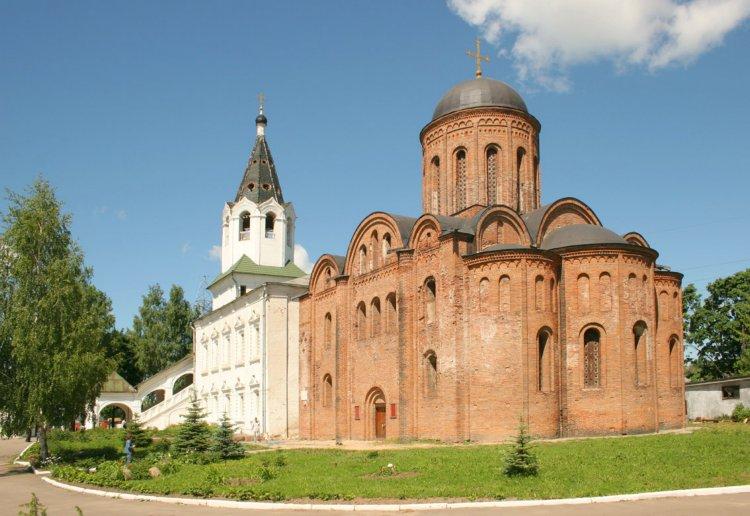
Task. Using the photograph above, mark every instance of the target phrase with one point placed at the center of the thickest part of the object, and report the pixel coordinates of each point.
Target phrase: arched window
(552, 295)
(583, 294)
(591, 358)
(544, 361)
(433, 189)
(244, 226)
(484, 292)
(327, 390)
(492, 161)
(328, 330)
(632, 291)
(461, 172)
(605, 292)
(505, 294)
(429, 300)
(374, 251)
(391, 319)
(328, 278)
(675, 359)
(270, 223)
(663, 305)
(375, 317)
(363, 259)
(676, 308)
(430, 373)
(520, 168)
(640, 342)
(182, 382)
(361, 321)
(386, 246)
(539, 293)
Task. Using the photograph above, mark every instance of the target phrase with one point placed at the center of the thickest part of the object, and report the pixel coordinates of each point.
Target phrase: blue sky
(141, 115)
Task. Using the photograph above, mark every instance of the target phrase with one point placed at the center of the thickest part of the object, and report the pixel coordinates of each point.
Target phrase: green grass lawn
(718, 455)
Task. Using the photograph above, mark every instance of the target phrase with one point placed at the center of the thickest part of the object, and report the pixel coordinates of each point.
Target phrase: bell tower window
(245, 226)
(270, 223)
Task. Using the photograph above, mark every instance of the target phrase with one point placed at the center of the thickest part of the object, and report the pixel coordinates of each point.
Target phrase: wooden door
(380, 421)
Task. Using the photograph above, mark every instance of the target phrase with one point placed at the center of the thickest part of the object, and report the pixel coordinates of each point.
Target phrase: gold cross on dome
(478, 57)
(261, 99)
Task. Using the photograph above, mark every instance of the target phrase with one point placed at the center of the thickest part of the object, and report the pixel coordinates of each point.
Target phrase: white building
(246, 349)
(714, 399)
(245, 360)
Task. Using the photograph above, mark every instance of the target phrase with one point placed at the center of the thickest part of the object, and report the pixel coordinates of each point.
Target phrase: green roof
(246, 266)
(116, 383)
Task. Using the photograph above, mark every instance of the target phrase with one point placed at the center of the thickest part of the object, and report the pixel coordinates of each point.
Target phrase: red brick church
(489, 307)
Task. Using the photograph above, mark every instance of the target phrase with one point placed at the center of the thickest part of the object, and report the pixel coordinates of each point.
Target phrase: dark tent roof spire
(260, 182)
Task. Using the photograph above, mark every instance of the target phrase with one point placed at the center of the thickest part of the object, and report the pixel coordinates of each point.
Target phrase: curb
(27, 464)
(235, 504)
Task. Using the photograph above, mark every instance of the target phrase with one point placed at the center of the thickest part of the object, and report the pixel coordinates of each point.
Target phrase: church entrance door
(380, 421)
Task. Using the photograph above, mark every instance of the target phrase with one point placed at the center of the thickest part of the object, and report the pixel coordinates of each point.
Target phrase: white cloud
(121, 215)
(185, 248)
(214, 254)
(546, 38)
(302, 258)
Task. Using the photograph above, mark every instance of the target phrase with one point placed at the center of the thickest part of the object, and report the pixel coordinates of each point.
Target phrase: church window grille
(430, 373)
(492, 175)
(375, 317)
(245, 226)
(327, 330)
(361, 321)
(429, 300)
(544, 361)
(591, 358)
(327, 390)
(270, 223)
(640, 343)
(390, 307)
(460, 180)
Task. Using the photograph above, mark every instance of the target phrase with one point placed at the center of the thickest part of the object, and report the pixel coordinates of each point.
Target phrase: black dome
(478, 93)
(261, 119)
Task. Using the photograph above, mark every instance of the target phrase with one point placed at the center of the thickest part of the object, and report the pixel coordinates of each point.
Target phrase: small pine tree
(223, 442)
(521, 461)
(139, 436)
(193, 434)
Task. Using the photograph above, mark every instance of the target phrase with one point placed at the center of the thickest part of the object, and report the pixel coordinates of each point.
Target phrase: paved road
(16, 487)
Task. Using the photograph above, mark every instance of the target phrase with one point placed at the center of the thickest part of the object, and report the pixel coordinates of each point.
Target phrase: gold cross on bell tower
(261, 99)
(478, 57)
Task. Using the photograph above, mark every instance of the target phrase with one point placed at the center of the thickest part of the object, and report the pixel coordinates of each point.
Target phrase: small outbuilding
(714, 399)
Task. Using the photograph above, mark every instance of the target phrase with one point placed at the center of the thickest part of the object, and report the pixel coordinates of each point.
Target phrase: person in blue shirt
(128, 449)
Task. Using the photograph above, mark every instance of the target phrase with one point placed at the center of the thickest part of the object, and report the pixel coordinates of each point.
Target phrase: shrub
(35, 507)
(521, 461)
(280, 460)
(141, 438)
(740, 413)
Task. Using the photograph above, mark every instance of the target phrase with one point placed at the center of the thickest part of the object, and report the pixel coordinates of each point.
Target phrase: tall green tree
(161, 333)
(120, 348)
(717, 328)
(53, 321)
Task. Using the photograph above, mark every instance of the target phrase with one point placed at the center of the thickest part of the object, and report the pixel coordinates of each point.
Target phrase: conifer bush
(193, 434)
(141, 438)
(223, 441)
(521, 461)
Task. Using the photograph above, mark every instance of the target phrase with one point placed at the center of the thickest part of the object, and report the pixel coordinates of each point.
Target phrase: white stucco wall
(705, 401)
